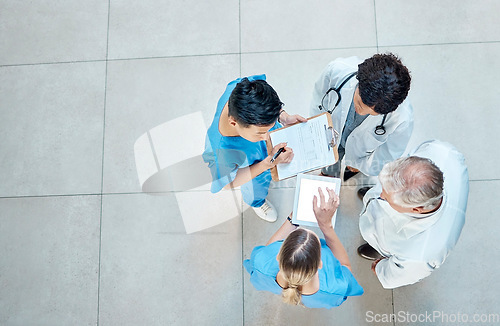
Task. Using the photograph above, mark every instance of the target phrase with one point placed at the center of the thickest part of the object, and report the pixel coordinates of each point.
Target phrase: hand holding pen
(281, 154)
(281, 150)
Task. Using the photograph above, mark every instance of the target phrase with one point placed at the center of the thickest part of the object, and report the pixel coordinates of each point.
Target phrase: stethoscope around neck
(379, 130)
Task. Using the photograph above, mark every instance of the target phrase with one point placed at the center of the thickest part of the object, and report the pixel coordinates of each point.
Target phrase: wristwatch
(290, 220)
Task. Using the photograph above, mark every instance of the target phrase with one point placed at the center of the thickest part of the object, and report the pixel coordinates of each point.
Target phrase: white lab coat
(416, 247)
(364, 150)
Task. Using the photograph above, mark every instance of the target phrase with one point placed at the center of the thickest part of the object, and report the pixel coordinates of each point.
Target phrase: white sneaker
(267, 212)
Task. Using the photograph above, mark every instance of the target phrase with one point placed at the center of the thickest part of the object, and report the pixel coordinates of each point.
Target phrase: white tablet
(306, 189)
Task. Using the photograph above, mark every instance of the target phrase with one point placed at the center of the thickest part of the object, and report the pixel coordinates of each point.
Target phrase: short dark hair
(384, 82)
(254, 103)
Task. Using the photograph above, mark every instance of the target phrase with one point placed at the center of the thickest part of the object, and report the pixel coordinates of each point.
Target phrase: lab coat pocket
(372, 142)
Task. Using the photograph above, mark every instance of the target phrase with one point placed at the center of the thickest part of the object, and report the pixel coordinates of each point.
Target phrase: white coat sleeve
(392, 149)
(394, 272)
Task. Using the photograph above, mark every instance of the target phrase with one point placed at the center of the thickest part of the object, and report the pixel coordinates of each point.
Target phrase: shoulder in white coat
(332, 76)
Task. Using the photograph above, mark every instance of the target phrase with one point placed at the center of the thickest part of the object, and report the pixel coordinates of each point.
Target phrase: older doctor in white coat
(373, 118)
(414, 215)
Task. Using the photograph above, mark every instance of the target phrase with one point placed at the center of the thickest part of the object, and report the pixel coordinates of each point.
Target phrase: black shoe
(349, 174)
(367, 252)
(362, 192)
(324, 173)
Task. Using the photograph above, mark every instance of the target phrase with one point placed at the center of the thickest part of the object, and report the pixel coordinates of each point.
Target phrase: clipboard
(305, 190)
(314, 145)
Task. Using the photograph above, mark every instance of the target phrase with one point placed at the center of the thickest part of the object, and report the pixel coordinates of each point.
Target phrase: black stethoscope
(379, 130)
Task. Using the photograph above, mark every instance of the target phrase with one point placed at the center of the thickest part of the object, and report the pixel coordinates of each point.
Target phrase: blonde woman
(301, 267)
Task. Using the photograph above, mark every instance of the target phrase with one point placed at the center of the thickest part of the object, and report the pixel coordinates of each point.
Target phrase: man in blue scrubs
(235, 147)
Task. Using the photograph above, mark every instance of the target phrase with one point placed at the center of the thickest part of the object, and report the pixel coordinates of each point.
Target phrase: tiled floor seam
(393, 309)
(242, 269)
(99, 265)
(174, 191)
(102, 168)
(50, 196)
(239, 33)
(437, 44)
(377, 45)
(51, 63)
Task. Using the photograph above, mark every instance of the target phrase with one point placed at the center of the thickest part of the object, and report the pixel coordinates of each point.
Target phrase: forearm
(333, 242)
(282, 232)
(246, 174)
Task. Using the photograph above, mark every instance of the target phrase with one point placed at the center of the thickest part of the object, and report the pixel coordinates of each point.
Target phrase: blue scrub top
(336, 281)
(225, 155)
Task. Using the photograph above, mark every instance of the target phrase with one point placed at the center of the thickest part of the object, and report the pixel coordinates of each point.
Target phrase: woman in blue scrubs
(303, 268)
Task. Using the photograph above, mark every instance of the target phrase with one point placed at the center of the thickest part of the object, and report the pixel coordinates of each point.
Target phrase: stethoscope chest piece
(380, 129)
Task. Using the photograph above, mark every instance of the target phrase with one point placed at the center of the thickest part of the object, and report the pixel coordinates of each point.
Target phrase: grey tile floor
(80, 82)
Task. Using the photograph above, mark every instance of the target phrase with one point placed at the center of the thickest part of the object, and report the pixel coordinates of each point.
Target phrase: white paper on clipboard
(306, 189)
(312, 144)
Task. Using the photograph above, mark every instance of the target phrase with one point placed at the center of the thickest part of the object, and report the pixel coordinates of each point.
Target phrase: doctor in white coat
(413, 217)
(373, 118)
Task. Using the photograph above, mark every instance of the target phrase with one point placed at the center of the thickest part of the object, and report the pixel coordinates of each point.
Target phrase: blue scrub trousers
(254, 192)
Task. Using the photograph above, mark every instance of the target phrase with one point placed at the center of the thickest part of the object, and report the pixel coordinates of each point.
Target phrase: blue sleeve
(338, 279)
(224, 165)
(263, 267)
(249, 263)
(263, 259)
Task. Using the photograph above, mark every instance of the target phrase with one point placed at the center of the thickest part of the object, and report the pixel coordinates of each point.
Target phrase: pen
(281, 150)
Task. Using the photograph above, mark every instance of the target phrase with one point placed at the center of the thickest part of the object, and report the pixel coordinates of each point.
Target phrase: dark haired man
(373, 118)
(235, 148)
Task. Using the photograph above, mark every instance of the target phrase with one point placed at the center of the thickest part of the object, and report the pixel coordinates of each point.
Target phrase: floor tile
(152, 273)
(62, 31)
(467, 283)
(156, 28)
(210, 209)
(427, 22)
(263, 308)
(298, 25)
(51, 129)
(160, 171)
(50, 260)
(143, 94)
(452, 103)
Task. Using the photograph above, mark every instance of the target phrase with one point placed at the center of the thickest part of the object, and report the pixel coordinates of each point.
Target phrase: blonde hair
(299, 259)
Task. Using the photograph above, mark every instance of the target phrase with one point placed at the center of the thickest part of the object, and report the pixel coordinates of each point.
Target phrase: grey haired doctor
(413, 217)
